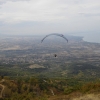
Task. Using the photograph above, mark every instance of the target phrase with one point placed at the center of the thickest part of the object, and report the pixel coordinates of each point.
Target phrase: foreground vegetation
(42, 88)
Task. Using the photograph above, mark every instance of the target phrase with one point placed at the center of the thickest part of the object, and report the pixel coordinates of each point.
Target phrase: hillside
(30, 68)
(25, 56)
(36, 88)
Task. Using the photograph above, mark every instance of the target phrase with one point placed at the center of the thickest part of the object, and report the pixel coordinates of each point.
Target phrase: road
(3, 87)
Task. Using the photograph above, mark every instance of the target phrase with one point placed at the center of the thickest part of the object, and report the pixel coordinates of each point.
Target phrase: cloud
(90, 14)
(15, 11)
(47, 16)
(4, 1)
(33, 10)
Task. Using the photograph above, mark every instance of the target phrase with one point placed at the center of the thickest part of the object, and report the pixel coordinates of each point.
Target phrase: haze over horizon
(36, 17)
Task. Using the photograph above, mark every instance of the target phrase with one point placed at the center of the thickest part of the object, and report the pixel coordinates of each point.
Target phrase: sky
(37, 17)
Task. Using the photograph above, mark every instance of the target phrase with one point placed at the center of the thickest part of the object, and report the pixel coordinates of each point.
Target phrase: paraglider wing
(61, 35)
(65, 38)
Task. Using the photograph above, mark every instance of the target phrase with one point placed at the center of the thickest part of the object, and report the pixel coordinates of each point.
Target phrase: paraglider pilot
(55, 55)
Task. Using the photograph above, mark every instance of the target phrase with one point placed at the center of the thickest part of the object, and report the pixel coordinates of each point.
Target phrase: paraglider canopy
(57, 34)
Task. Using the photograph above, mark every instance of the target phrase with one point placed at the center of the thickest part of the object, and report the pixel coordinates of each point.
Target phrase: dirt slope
(76, 97)
(88, 97)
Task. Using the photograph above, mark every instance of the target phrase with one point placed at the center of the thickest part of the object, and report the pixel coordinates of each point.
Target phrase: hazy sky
(78, 17)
